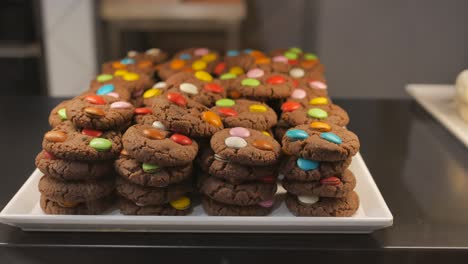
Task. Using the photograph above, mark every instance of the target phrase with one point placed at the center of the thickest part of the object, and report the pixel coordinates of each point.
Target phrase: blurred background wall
(371, 48)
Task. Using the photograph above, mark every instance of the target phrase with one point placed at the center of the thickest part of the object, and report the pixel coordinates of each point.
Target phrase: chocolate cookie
(156, 146)
(215, 208)
(245, 146)
(152, 175)
(245, 113)
(299, 169)
(198, 86)
(58, 114)
(338, 207)
(116, 90)
(142, 66)
(249, 193)
(67, 142)
(321, 142)
(154, 55)
(332, 186)
(72, 170)
(234, 172)
(182, 115)
(262, 86)
(95, 207)
(76, 191)
(318, 109)
(100, 112)
(127, 207)
(144, 196)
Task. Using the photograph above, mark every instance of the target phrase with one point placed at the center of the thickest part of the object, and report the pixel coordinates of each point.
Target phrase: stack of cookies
(315, 172)
(155, 171)
(78, 154)
(241, 173)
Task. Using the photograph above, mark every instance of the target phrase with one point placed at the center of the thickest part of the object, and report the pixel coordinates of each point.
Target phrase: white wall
(70, 45)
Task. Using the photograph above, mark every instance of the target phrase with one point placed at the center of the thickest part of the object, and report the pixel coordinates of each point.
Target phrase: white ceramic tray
(24, 212)
(438, 100)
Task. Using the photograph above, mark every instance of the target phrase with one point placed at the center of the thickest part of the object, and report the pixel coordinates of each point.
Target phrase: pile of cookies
(249, 119)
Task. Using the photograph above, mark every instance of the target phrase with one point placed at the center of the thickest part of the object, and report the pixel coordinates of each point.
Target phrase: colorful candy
(203, 76)
(276, 79)
(100, 144)
(213, 87)
(295, 50)
(219, 68)
(225, 102)
(227, 76)
(201, 51)
(152, 133)
(317, 113)
(159, 85)
(121, 105)
(255, 73)
(181, 139)
(239, 132)
(296, 73)
(62, 113)
(317, 85)
(306, 165)
(199, 65)
(118, 65)
(330, 181)
(177, 64)
(263, 60)
(143, 111)
(131, 76)
(144, 64)
(319, 101)
(95, 99)
(235, 142)
(55, 136)
(320, 126)
(91, 132)
(181, 203)
(257, 108)
(297, 134)
(113, 94)
(331, 137)
(158, 125)
(153, 51)
(151, 93)
(209, 57)
(48, 155)
(307, 199)
(298, 94)
(290, 55)
(120, 72)
(105, 89)
(104, 77)
(212, 118)
(290, 106)
(310, 56)
(236, 70)
(250, 82)
(266, 133)
(185, 56)
(94, 112)
(177, 98)
(127, 61)
(227, 111)
(188, 88)
(267, 203)
(232, 53)
(262, 144)
(280, 59)
(149, 168)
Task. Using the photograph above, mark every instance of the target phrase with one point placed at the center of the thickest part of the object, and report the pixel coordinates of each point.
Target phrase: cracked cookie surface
(345, 206)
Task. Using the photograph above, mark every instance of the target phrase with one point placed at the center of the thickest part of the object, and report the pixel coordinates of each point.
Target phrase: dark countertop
(419, 166)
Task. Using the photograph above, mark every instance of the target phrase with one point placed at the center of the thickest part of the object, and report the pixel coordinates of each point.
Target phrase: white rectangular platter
(24, 212)
(439, 101)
